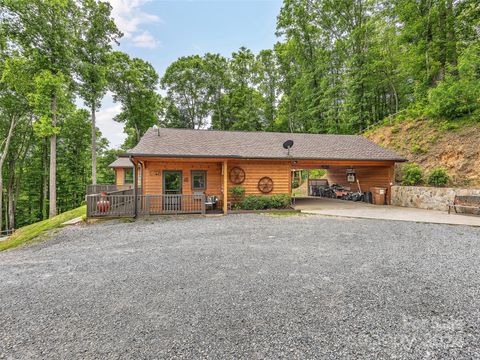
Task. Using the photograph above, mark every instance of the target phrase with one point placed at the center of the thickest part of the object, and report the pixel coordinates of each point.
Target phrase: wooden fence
(120, 205)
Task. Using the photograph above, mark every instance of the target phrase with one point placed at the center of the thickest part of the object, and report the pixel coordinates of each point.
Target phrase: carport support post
(225, 187)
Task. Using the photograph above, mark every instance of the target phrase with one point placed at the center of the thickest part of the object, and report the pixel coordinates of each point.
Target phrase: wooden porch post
(225, 186)
(135, 188)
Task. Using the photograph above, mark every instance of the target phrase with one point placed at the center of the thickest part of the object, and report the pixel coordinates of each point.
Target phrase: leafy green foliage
(418, 149)
(238, 193)
(438, 177)
(317, 173)
(50, 51)
(47, 86)
(262, 202)
(133, 83)
(458, 95)
(337, 70)
(412, 175)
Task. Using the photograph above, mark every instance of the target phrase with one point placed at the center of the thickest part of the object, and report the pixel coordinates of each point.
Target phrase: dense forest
(338, 66)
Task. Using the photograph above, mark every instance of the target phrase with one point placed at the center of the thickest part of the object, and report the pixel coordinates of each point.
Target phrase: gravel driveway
(244, 286)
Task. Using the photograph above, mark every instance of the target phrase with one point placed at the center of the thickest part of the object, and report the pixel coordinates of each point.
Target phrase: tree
(73, 159)
(218, 81)
(97, 32)
(188, 92)
(134, 84)
(45, 30)
(14, 106)
(242, 102)
(267, 78)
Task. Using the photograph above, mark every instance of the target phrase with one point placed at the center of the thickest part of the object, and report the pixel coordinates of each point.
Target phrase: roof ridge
(252, 132)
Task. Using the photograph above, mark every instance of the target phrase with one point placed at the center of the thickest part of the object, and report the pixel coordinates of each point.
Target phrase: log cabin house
(179, 170)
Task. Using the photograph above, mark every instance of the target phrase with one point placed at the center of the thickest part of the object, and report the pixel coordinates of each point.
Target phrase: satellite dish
(287, 145)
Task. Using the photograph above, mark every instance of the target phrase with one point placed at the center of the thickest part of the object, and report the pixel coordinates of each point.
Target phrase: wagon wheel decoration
(237, 175)
(265, 185)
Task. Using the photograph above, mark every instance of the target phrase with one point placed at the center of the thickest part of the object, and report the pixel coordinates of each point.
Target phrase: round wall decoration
(265, 185)
(237, 175)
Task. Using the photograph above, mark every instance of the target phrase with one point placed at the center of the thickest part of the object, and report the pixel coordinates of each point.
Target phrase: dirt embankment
(432, 145)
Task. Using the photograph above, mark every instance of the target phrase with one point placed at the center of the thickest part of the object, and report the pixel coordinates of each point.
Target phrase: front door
(172, 190)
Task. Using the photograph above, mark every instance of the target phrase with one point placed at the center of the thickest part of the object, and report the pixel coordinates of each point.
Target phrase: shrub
(262, 202)
(418, 149)
(255, 202)
(412, 175)
(238, 194)
(280, 201)
(438, 177)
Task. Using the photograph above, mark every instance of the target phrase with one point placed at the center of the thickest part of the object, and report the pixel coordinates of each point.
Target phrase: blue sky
(161, 31)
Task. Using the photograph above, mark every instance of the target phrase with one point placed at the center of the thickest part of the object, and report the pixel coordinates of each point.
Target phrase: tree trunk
(45, 180)
(53, 164)
(11, 203)
(2, 160)
(94, 147)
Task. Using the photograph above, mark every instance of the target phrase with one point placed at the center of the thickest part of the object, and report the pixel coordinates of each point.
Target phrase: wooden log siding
(119, 176)
(153, 176)
(278, 171)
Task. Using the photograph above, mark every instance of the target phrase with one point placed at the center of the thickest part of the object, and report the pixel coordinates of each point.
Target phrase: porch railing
(118, 205)
(99, 188)
(110, 205)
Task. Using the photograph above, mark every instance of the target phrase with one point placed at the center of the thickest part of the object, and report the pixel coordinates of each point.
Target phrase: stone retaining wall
(430, 198)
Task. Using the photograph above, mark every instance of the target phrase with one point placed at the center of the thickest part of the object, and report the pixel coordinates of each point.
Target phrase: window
(128, 176)
(199, 180)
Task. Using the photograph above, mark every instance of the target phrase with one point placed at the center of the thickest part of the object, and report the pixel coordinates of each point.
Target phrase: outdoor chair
(211, 202)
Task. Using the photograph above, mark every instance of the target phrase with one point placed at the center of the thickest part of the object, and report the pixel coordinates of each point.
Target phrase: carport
(357, 175)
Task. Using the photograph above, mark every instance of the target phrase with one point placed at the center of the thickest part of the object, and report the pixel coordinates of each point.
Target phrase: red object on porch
(103, 205)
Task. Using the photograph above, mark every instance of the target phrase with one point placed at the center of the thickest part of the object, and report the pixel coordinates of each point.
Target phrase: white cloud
(129, 18)
(111, 129)
(145, 40)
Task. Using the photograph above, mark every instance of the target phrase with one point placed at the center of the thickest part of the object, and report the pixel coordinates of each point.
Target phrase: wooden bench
(465, 202)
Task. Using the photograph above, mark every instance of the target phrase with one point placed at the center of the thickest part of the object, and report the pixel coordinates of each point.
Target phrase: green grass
(30, 232)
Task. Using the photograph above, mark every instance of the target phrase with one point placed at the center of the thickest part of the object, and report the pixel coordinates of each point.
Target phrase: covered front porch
(165, 186)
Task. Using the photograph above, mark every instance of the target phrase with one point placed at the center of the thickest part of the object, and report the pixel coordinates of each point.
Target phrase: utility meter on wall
(351, 175)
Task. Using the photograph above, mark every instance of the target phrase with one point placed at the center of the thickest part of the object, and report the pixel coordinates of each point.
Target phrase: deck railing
(110, 205)
(99, 188)
(118, 205)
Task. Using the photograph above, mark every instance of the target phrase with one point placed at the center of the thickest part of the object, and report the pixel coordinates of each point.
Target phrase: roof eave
(290, 158)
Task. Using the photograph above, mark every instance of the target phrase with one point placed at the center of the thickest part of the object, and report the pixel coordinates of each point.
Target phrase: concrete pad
(332, 207)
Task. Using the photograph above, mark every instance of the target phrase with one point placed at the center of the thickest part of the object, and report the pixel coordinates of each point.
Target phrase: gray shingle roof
(257, 145)
(121, 162)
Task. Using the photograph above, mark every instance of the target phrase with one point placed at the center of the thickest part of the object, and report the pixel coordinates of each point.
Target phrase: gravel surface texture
(244, 286)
